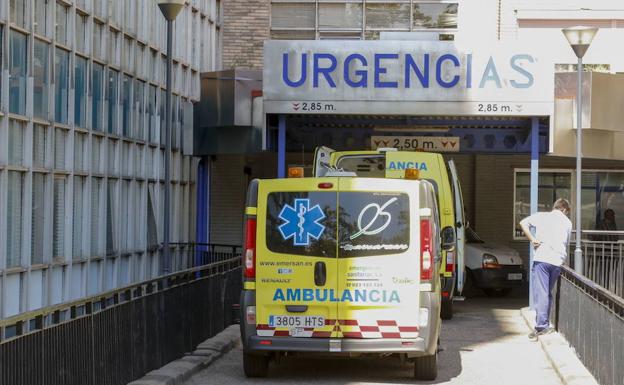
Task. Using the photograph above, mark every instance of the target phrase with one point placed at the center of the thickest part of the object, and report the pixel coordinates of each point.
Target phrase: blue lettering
(489, 74)
(325, 71)
(423, 166)
(279, 295)
(293, 295)
(332, 297)
(379, 70)
(346, 296)
(360, 295)
(323, 297)
(308, 295)
(394, 297)
(363, 74)
(374, 295)
(439, 63)
(304, 71)
(423, 76)
(518, 68)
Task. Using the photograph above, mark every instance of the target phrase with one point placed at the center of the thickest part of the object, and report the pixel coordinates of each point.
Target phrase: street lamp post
(170, 10)
(579, 38)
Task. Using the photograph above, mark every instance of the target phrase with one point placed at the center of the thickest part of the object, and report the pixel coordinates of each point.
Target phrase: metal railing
(603, 259)
(118, 336)
(591, 318)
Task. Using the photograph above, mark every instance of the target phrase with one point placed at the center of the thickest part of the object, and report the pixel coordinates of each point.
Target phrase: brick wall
(245, 26)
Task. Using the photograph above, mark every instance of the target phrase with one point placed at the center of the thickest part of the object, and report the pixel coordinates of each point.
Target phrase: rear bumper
(498, 278)
(425, 344)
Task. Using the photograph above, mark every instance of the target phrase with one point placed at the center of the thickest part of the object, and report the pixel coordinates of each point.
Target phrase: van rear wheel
(255, 365)
(426, 368)
(446, 310)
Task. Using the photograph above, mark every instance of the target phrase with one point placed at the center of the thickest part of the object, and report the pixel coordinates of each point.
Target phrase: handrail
(616, 303)
(122, 294)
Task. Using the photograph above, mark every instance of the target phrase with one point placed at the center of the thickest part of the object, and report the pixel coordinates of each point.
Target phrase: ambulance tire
(255, 365)
(426, 368)
(446, 310)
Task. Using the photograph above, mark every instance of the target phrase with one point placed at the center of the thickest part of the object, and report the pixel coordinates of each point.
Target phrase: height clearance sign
(406, 78)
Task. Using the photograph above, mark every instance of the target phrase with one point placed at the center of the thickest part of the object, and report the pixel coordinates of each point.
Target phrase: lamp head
(170, 8)
(580, 38)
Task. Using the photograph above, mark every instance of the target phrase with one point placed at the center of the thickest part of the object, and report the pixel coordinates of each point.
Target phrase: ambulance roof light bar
(412, 174)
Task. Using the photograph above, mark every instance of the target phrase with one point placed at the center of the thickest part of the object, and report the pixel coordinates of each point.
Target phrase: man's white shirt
(553, 230)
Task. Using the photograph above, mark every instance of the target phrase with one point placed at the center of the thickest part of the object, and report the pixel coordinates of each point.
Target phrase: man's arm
(524, 225)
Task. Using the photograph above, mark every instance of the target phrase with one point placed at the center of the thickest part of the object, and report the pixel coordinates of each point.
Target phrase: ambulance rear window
(302, 223)
(373, 223)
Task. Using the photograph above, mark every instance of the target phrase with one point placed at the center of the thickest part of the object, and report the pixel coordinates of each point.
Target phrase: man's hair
(562, 204)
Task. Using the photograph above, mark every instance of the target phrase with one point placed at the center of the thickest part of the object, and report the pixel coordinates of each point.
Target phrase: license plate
(296, 321)
(514, 277)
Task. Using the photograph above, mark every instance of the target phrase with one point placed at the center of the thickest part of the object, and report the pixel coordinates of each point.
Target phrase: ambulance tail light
(426, 248)
(450, 261)
(250, 248)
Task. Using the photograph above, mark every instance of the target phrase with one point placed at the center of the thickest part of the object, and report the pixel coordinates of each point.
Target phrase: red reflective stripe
(408, 329)
(386, 323)
(348, 322)
(390, 335)
(352, 334)
(369, 328)
(264, 327)
(281, 333)
(321, 334)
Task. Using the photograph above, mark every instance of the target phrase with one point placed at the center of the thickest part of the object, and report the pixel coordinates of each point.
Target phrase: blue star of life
(301, 222)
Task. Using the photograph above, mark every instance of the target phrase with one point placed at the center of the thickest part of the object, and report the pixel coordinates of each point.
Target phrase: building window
(81, 32)
(139, 115)
(111, 99)
(18, 15)
(100, 8)
(435, 15)
(97, 97)
(80, 92)
(41, 17)
(80, 141)
(38, 214)
(111, 239)
(14, 218)
(61, 62)
(96, 187)
(125, 106)
(17, 73)
(340, 16)
(16, 142)
(293, 15)
(389, 16)
(96, 149)
(99, 40)
(58, 233)
(604, 68)
(77, 216)
(39, 146)
(60, 138)
(61, 24)
(41, 66)
(153, 115)
(114, 47)
(551, 186)
(162, 116)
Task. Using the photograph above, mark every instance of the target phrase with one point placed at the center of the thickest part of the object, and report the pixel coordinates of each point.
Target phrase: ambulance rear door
(378, 258)
(296, 257)
(460, 226)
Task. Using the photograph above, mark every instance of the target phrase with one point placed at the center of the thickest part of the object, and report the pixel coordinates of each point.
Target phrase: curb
(561, 355)
(178, 371)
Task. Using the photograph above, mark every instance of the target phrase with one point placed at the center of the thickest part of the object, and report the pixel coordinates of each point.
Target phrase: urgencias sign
(404, 71)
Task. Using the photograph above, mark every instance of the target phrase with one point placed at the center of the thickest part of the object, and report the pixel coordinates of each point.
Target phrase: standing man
(552, 234)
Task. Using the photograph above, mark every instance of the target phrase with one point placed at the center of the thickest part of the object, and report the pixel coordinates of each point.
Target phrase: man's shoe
(533, 336)
(548, 330)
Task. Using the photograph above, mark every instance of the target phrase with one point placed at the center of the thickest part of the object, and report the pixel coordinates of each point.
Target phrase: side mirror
(448, 238)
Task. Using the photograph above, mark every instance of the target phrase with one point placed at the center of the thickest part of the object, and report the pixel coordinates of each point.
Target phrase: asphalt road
(485, 343)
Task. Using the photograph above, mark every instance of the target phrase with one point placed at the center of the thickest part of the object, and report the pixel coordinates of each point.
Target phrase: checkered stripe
(348, 329)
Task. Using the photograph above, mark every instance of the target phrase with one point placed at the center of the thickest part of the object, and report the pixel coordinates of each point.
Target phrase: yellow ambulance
(390, 163)
(342, 265)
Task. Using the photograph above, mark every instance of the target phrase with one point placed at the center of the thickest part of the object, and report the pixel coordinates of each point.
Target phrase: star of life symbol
(301, 222)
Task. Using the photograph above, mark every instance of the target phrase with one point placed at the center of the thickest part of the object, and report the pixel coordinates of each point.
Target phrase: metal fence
(118, 336)
(603, 259)
(592, 320)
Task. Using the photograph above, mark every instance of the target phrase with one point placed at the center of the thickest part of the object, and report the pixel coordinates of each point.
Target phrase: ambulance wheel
(255, 365)
(446, 310)
(426, 368)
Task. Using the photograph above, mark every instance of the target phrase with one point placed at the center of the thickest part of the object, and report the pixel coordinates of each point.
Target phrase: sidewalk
(178, 371)
(561, 355)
